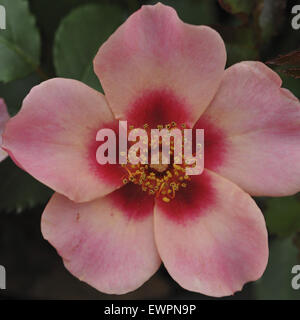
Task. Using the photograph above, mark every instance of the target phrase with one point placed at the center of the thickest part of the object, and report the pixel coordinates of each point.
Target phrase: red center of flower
(160, 180)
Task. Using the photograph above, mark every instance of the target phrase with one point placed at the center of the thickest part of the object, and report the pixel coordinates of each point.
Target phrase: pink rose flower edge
(4, 117)
(154, 70)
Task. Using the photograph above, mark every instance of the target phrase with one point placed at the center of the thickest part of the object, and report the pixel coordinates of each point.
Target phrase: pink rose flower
(4, 116)
(112, 232)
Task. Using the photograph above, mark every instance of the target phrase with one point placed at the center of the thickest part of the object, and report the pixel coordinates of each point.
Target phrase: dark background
(252, 30)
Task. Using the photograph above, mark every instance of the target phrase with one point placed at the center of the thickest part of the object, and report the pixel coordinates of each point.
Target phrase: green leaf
(237, 6)
(283, 215)
(276, 281)
(194, 11)
(18, 190)
(14, 92)
(79, 37)
(240, 44)
(291, 84)
(49, 15)
(19, 43)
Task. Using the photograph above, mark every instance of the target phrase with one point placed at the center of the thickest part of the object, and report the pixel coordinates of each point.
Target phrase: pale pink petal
(155, 61)
(105, 243)
(4, 117)
(53, 138)
(214, 241)
(258, 131)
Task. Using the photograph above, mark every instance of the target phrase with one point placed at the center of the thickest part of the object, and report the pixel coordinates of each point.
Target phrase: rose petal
(218, 250)
(259, 131)
(4, 117)
(102, 245)
(155, 61)
(53, 138)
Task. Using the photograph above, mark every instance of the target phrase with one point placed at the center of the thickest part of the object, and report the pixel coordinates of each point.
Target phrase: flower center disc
(160, 180)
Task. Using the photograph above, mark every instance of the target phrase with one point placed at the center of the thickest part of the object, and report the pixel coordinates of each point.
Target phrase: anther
(160, 180)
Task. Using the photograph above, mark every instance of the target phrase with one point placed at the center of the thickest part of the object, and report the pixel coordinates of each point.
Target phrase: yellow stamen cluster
(159, 180)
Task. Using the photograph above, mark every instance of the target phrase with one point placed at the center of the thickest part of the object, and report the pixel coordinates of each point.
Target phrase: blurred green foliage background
(47, 38)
